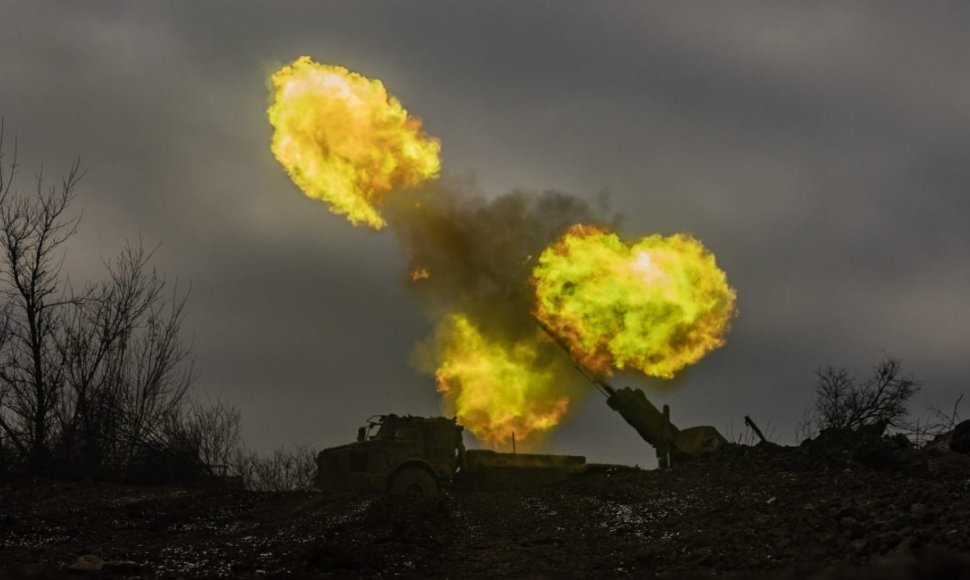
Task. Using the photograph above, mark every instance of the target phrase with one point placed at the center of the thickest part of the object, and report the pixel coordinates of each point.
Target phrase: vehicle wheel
(413, 480)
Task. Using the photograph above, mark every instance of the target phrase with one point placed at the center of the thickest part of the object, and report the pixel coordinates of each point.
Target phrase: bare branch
(89, 379)
(843, 403)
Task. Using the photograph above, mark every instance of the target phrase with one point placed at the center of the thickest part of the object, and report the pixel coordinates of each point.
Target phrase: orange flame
(657, 305)
(496, 389)
(419, 273)
(344, 140)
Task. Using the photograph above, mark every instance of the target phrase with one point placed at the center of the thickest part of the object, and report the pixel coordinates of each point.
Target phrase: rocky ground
(835, 507)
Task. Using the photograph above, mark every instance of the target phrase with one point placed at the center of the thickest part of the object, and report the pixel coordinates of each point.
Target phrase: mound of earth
(844, 505)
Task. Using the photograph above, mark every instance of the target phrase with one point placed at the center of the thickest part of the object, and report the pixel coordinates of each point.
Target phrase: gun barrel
(654, 426)
(637, 410)
(606, 388)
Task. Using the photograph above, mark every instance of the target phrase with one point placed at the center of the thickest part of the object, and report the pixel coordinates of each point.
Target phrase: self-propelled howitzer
(673, 445)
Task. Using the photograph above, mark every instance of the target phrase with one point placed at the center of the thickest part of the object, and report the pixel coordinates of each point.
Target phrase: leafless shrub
(282, 470)
(844, 403)
(126, 372)
(936, 428)
(216, 431)
(943, 422)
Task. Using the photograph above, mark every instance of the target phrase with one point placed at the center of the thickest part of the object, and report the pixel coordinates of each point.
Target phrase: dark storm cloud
(818, 148)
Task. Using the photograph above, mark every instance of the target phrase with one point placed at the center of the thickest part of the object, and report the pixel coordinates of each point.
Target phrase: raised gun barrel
(606, 388)
(673, 445)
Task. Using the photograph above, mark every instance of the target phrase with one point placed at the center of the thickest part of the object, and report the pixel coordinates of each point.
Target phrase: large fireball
(344, 140)
(497, 389)
(655, 305)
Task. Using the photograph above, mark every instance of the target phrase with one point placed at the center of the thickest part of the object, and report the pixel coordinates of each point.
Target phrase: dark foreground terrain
(832, 508)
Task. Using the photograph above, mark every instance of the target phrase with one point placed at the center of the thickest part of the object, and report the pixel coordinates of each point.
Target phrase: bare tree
(93, 375)
(844, 403)
(32, 230)
(126, 371)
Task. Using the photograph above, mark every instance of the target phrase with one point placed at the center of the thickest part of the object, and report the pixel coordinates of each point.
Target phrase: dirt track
(826, 509)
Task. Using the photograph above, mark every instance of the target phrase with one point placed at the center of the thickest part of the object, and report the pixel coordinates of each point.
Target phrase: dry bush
(283, 470)
(842, 402)
(935, 429)
(215, 430)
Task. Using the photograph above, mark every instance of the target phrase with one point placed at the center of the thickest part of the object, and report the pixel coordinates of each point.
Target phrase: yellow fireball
(345, 141)
(496, 389)
(656, 305)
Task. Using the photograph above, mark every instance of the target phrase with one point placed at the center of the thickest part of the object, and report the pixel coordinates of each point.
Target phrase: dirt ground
(835, 507)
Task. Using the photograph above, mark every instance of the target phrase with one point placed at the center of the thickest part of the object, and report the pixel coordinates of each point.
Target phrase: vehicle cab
(395, 453)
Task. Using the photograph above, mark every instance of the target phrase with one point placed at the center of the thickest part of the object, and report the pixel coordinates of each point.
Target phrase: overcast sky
(821, 150)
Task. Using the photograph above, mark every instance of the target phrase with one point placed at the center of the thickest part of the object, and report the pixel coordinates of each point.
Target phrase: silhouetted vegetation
(282, 470)
(93, 380)
(844, 403)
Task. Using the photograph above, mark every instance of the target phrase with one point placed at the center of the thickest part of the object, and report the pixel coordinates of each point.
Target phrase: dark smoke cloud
(479, 254)
(480, 251)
